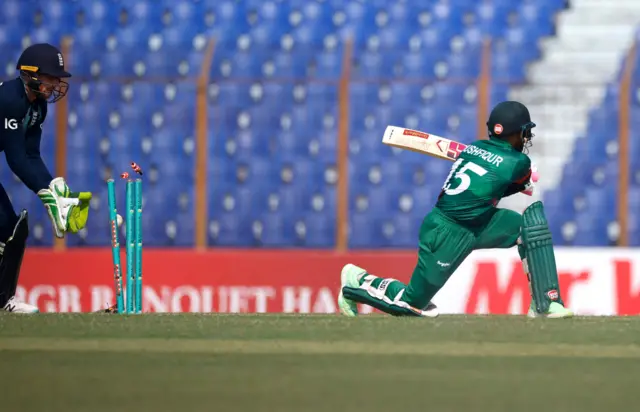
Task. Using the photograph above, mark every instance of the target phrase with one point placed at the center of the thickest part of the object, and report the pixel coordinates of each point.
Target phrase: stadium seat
(274, 103)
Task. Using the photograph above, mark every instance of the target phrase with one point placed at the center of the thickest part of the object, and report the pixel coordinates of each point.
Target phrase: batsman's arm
(520, 178)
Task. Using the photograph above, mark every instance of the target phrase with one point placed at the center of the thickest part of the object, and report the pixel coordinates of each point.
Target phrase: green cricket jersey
(485, 172)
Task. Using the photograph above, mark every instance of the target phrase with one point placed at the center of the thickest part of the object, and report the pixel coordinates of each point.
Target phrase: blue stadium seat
(126, 143)
(465, 64)
(362, 231)
(274, 107)
(493, 13)
(45, 35)
(14, 11)
(145, 12)
(601, 201)
(591, 230)
(275, 229)
(634, 227)
(508, 66)
(320, 230)
(230, 229)
(329, 65)
(405, 230)
(419, 65)
(58, 13)
(11, 34)
(118, 63)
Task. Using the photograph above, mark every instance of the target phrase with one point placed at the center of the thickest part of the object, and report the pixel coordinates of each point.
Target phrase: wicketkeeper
(23, 109)
(465, 218)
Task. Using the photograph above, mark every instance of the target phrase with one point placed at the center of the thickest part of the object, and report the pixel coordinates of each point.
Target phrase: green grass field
(314, 363)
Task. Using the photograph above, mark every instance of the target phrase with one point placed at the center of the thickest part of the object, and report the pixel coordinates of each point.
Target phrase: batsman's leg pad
(382, 294)
(12, 252)
(539, 259)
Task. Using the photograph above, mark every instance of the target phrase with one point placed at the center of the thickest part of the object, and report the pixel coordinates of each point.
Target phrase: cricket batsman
(465, 218)
(23, 110)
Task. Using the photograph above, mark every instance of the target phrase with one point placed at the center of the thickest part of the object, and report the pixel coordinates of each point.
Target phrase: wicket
(131, 289)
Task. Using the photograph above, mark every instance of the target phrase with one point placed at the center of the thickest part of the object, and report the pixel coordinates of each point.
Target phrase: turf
(314, 363)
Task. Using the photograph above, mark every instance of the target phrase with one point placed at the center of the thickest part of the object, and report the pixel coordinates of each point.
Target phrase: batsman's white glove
(531, 185)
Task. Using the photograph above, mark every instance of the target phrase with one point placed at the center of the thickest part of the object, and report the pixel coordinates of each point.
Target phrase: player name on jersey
(484, 155)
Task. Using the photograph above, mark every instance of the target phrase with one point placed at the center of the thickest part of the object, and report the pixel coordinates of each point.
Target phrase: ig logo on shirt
(10, 124)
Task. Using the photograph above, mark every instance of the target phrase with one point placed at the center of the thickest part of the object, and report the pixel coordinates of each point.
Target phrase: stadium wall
(594, 281)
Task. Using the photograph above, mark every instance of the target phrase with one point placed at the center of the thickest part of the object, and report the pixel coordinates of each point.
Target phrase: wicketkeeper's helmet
(43, 58)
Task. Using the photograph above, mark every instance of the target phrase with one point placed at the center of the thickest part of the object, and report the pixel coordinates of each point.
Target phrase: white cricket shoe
(17, 306)
(431, 311)
(349, 277)
(556, 311)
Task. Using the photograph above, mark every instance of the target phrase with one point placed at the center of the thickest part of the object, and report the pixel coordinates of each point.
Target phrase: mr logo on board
(10, 124)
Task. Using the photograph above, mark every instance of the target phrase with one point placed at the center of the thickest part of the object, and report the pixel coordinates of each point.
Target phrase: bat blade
(421, 142)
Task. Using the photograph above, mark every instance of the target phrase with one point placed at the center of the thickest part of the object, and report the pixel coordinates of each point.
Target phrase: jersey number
(462, 175)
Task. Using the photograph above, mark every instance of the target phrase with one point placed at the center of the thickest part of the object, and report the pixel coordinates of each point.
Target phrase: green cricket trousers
(443, 245)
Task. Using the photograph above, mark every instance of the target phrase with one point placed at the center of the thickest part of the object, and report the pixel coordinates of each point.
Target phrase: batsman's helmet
(508, 118)
(511, 117)
(43, 58)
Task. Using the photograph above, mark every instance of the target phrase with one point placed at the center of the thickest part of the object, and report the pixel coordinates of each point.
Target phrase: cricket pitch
(100, 362)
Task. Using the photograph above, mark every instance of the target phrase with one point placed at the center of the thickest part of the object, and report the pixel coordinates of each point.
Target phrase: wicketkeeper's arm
(23, 157)
(32, 145)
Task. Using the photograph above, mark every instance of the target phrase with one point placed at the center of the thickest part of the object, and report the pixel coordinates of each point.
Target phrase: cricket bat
(422, 142)
(433, 145)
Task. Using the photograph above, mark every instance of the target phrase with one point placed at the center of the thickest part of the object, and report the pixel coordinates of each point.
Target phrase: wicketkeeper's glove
(67, 210)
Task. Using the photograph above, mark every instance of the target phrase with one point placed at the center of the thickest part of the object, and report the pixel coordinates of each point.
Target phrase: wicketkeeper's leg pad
(11, 254)
(539, 259)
